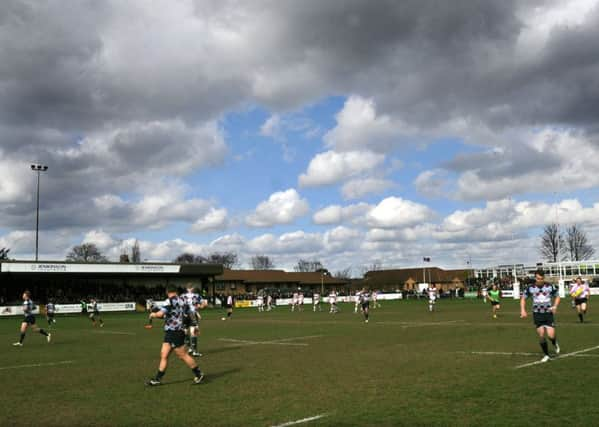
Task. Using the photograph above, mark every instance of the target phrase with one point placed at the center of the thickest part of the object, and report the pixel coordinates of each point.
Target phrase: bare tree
(262, 262)
(189, 258)
(304, 266)
(577, 244)
(552, 243)
(227, 259)
(375, 266)
(343, 274)
(87, 252)
(135, 252)
(4, 253)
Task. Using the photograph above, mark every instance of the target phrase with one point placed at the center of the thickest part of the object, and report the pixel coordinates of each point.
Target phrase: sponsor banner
(507, 294)
(243, 304)
(67, 308)
(114, 306)
(56, 267)
(14, 310)
(389, 296)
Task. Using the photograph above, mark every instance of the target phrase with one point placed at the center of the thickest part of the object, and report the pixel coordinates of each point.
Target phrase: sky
(356, 133)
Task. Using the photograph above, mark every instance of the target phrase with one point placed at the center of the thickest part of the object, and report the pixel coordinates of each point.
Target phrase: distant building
(588, 269)
(407, 279)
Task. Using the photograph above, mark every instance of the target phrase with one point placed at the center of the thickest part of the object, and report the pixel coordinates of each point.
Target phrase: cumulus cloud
(214, 219)
(357, 188)
(336, 214)
(395, 212)
(331, 167)
(282, 207)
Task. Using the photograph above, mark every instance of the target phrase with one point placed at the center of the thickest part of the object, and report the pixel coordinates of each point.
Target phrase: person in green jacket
(494, 296)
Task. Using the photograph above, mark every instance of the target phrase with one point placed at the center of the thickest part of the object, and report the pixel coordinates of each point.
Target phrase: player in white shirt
(375, 297)
(580, 293)
(268, 302)
(260, 301)
(432, 297)
(316, 302)
(357, 301)
(300, 301)
(484, 294)
(333, 302)
(294, 301)
(365, 303)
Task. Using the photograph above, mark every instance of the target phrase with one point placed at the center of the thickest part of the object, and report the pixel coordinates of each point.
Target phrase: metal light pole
(39, 169)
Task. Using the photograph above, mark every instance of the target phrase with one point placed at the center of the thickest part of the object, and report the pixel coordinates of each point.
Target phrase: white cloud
(282, 207)
(297, 242)
(394, 212)
(357, 188)
(100, 238)
(214, 219)
(271, 127)
(331, 167)
(336, 214)
(432, 183)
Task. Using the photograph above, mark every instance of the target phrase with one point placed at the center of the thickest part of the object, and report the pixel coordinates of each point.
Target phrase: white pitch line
(37, 365)
(297, 338)
(303, 420)
(516, 353)
(418, 324)
(561, 356)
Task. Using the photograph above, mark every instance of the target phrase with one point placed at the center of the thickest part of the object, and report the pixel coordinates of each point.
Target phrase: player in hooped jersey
(192, 319)
(543, 310)
(365, 303)
(29, 320)
(50, 310)
(580, 293)
(173, 313)
(432, 297)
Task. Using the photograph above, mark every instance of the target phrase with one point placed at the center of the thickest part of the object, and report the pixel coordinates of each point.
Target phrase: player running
(229, 302)
(260, 302)
(50, 310)
(375, 299)
(174, 312)
(581, 294)
(542, 311)
(29, 319)
(294, 300)
(432, 297)
(300, 301)
(95, 314)
(316, 302)
(333, 302)
(191, 321)
(357, 301)
(269, 302)
(494, 295)
(365, 303)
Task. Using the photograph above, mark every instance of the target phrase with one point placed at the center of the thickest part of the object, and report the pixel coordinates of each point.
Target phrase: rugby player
(365, 303)
(333, 302)
(229, 302)
(300, 300)
(316, 302)
(95, 314)
(173, 313)
(581, 294)
(432, 297)
(192, 319)
(357, 301)
(494, 295)
(542, 310)
(29, 320)
(50, 309)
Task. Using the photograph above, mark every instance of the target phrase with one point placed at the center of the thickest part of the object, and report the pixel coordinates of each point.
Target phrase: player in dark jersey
(173, 313)
(50, 309)
(365, 303)
(29, 319)
(192, 319)
(542, 310)
(95, 314)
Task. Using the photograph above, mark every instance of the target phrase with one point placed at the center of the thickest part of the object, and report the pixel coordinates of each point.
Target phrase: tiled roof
(392, 277)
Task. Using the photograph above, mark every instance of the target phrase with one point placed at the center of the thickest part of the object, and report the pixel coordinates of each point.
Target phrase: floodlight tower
(36, 167)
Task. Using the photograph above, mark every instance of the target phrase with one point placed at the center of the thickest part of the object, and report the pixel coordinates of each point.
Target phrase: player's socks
(580, 316)
(196, 371)
(159, 375)
(44, 333)
(194, 343)
(22, 337)
(545, 347)
(229, 314)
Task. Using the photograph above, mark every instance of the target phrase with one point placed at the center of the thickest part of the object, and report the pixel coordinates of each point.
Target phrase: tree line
(569, 245)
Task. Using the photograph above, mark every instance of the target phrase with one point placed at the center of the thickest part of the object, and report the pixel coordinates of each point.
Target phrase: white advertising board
(13, 310)
(56, 267)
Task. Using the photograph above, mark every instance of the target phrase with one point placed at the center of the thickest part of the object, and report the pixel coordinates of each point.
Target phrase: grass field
(406, 367)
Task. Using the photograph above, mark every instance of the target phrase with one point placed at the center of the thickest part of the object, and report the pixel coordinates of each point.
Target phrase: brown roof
(277, 276)
(399, 276)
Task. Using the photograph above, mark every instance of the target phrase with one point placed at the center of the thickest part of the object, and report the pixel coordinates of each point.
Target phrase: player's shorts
(494, 302)
(174, 338)
(432, 300)
(29, 319)
(50, 315)
(578, 301)
(543, 319)
(365, 305)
